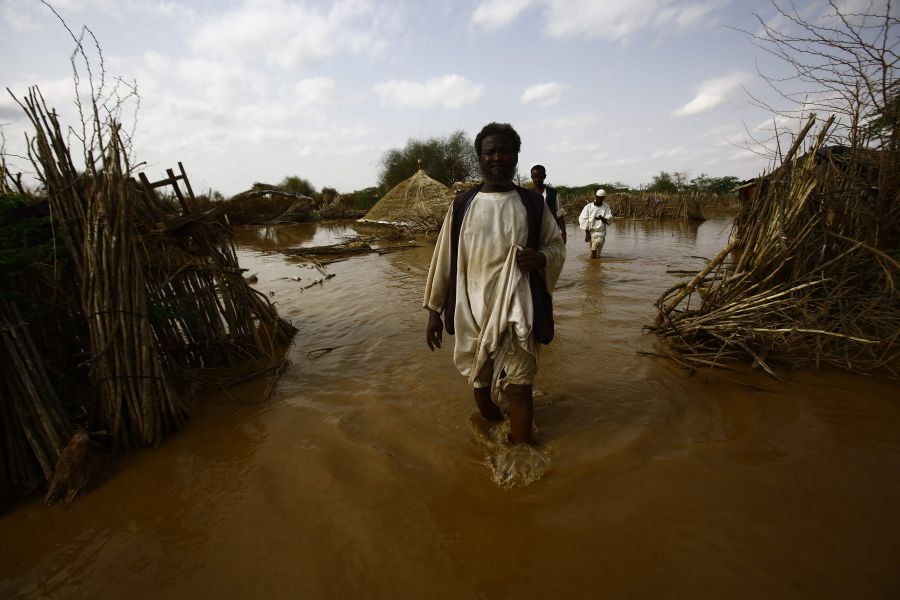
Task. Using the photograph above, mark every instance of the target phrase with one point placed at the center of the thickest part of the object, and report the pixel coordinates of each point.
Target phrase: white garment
(492, 294)
(588, 220)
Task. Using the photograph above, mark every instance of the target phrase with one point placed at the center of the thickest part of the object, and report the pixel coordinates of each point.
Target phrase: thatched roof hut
(419, 203)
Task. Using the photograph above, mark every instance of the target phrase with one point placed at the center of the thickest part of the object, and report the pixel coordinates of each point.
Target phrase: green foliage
(365, 199)
(882, 123)
(713, 185)
(670, 183)
(12, 202)
(297, 185)
(25, 239)
(590, 189)
(447, 160)
(664, 183)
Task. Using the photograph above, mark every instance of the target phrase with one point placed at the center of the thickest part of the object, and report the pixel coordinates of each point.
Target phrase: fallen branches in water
(343, 250)
(320, 352)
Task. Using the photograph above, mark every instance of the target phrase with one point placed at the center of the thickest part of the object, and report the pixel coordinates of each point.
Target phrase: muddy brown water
(365, 475)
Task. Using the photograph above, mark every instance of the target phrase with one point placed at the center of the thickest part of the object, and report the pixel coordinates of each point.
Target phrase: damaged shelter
(118, 305)
(418, 203)
(810, 276)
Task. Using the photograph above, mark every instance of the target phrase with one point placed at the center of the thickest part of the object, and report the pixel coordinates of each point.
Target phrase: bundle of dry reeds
(647, 205)
(813, 277)
(33, 426)
(162, 308)
(657, 206)
(98, 217)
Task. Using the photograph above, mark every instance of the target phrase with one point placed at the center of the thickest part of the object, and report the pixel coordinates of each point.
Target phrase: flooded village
(233, 397)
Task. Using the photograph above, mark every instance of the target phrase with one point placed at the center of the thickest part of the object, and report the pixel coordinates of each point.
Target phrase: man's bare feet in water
(486, 406)
(521, 412)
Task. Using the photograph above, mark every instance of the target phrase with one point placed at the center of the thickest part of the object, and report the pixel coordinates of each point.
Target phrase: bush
(447, 160)
(297, 185)
(366, 198)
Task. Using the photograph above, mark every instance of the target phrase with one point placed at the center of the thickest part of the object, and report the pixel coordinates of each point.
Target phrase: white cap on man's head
(601, 192)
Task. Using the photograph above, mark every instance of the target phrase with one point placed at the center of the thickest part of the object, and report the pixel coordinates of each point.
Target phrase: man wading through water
(489, 284)
(538, 177)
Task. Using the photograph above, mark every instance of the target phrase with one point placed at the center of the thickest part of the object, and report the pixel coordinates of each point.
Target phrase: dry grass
(418, 203)
(813, 276)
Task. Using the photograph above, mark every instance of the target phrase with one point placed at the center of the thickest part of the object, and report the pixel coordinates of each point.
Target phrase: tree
(297, 185)
(366, 198)
(663, 183)
(881, 123)
(842, 62)
(723, 185)
(447, 160)
(713, 185)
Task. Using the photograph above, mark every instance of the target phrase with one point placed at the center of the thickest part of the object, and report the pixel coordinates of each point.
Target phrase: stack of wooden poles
(164, 310)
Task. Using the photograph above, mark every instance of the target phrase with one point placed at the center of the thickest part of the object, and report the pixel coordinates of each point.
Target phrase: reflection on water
(274, 238)
(365, 474)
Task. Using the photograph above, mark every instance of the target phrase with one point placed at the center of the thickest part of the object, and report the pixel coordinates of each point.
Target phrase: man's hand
(605, 221)
(562, 228)
(529, 260)
(434, 331)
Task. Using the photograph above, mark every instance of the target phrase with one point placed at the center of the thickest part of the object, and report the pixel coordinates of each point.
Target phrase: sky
(245, 91)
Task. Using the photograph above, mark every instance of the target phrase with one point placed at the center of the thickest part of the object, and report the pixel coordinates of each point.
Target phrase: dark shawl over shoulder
(552, 200)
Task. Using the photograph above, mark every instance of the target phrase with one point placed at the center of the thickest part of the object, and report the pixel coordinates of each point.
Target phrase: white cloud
(776, 121)
(619, 19)
(570, 147)
(174, 10)
(544, 94)
(669, 153)
(495, 14)
(449, 91)
(578, 122)
(19, 16)
(636, 133)
(711, 93)
(316, 91)
(734, 139)
(624, 162)
(288, 35)
(202, 73)
(744, 155)
(80, 5)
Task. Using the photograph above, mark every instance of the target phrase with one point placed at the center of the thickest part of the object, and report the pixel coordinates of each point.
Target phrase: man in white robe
(493, 308)
(594, 218)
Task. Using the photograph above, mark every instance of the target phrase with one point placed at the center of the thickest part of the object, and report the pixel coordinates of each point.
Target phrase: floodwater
(366, 473)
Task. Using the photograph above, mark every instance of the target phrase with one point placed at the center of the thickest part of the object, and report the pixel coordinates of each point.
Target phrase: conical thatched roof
(419, 202)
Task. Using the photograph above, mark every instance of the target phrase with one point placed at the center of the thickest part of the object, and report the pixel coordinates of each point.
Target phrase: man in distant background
(594, 218)
(551, 197)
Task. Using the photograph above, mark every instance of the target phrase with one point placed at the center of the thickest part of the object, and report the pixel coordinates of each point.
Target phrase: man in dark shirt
(538, 176)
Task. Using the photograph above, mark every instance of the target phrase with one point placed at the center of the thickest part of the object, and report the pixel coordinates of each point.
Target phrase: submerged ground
(365, 474)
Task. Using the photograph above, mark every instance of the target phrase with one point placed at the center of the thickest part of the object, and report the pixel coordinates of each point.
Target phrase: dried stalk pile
(33, 425)
(647, 205)
(815, 271)
(417, 204)
(657, 206)
(157, 307)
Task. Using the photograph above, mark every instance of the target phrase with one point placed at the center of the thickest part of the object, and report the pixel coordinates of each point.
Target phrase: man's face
(538, 176)
(498, 159)
(598, 200)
